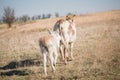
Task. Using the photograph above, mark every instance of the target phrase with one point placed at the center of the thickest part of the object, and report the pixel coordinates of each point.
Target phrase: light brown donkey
(49, 45)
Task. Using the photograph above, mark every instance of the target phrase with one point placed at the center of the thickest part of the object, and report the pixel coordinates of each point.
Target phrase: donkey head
(70, 18)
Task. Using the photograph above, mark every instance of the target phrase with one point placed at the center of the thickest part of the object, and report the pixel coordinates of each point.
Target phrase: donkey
(67, 31)
(49, 45)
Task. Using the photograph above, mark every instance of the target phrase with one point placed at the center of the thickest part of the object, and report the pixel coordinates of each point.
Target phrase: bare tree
(25, 18)
(9, 16)
(69, 13)
(48, 15)
(39, 16)
(33, 18)
(1, 21)
(56, 14)
(17, 19)
(43, 16)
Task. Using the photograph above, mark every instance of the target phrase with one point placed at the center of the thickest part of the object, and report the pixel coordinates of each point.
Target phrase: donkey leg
(71, 51)
(61, 52)
(52, 60)
(55, 57)
(44, 63)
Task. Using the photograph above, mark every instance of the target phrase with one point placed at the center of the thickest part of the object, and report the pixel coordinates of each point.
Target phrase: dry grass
(96, 51)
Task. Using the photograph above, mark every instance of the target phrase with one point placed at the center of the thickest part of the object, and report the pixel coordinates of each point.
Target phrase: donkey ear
(60, 21)
(67, 17)
(74, 15)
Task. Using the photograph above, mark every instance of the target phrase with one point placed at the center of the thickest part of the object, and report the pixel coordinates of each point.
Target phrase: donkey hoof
(54, 64)
(65, 62)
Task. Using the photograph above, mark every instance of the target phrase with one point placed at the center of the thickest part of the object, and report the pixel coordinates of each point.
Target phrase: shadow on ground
(28, 62)
(14, 72)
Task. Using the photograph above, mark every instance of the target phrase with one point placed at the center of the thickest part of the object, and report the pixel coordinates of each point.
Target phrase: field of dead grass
(96, 51)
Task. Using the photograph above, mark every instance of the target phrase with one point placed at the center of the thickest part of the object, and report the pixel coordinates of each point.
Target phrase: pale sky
(39, 7)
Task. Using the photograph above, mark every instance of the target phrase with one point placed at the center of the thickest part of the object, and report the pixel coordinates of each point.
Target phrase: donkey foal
(49, 45)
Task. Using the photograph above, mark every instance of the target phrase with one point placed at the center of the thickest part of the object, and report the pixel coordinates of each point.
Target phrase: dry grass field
(96, 51)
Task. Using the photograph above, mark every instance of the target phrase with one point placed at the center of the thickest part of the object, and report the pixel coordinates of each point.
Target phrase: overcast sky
(39, 7)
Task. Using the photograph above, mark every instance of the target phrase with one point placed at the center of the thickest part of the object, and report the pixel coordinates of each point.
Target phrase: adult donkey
(67, 31)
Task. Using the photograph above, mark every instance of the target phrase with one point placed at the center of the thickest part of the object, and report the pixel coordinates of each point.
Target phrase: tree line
(9, 17)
